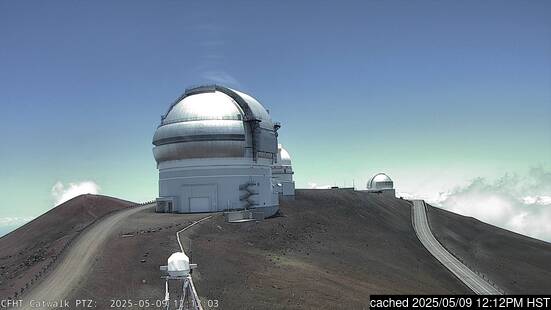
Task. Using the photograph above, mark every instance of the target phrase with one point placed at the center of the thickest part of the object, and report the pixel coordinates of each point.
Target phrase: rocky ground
(29, 252)
(516, 263)
(127, 270)
(327, 249)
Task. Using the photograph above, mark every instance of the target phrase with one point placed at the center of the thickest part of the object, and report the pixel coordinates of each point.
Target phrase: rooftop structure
(214, 149)
(282, 172)
(381, 182)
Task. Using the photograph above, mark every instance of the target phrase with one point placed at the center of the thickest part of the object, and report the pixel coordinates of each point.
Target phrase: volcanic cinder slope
(516, 263)
(33, 248)
(331, 249)
(327, 249)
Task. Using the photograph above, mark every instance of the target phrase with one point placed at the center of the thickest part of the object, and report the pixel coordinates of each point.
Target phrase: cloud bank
(8, 224)
(62, 193)
(313, 185)
(520, 203)
(14, 221)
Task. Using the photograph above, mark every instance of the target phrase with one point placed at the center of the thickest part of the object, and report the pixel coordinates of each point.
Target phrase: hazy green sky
(432, 93)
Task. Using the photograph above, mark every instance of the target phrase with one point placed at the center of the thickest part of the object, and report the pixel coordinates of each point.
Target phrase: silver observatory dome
(380, 181)
(215, 122)
(283, 157)
(215, 148)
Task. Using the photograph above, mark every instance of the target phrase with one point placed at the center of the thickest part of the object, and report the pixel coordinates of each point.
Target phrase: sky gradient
(434, 93)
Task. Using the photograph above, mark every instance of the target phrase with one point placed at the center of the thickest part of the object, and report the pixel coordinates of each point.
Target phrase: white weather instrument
(178, 270)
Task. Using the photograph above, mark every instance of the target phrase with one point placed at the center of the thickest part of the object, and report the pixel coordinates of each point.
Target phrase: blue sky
(435, 93)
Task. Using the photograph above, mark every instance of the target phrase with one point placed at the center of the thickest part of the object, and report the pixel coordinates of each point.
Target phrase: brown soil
(30, 251)
(329, 249)
(517, 264)
(128, 267)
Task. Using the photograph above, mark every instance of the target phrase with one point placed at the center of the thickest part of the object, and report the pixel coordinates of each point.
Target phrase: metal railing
(141, 204)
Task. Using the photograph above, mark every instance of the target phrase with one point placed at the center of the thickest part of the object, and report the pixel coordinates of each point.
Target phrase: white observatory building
(381, 183)
(282, 172)
(215, 148)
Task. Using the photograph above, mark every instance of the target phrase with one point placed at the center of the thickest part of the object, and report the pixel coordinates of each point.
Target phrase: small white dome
(178, 264)
(283, 157)
(380, 181)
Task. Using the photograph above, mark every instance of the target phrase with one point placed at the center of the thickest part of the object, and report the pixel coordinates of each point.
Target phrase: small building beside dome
(214, 149)
(282, 173)
(381, 183)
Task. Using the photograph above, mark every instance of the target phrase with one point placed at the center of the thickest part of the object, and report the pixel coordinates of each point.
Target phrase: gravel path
(76, 263)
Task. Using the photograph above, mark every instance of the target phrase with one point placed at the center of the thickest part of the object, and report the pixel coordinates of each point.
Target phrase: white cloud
(434, 198)
(62, 193)
(312, 185)
(514, 202)
(542, 200)
(8, 224)
(14, 221)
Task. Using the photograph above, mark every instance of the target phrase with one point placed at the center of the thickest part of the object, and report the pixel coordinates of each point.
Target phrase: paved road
(77, 261)
(476, 283)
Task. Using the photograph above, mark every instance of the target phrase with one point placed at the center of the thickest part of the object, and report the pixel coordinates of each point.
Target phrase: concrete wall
(218, 185)
(389, 192)
(283, 175)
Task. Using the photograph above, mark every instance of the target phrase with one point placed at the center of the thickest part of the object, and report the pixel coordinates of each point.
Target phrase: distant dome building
(282, 172)
(381, 183)
(215, 148)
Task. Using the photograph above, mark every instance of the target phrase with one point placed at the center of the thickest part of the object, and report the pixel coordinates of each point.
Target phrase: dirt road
(475, 282)
(76, 262)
